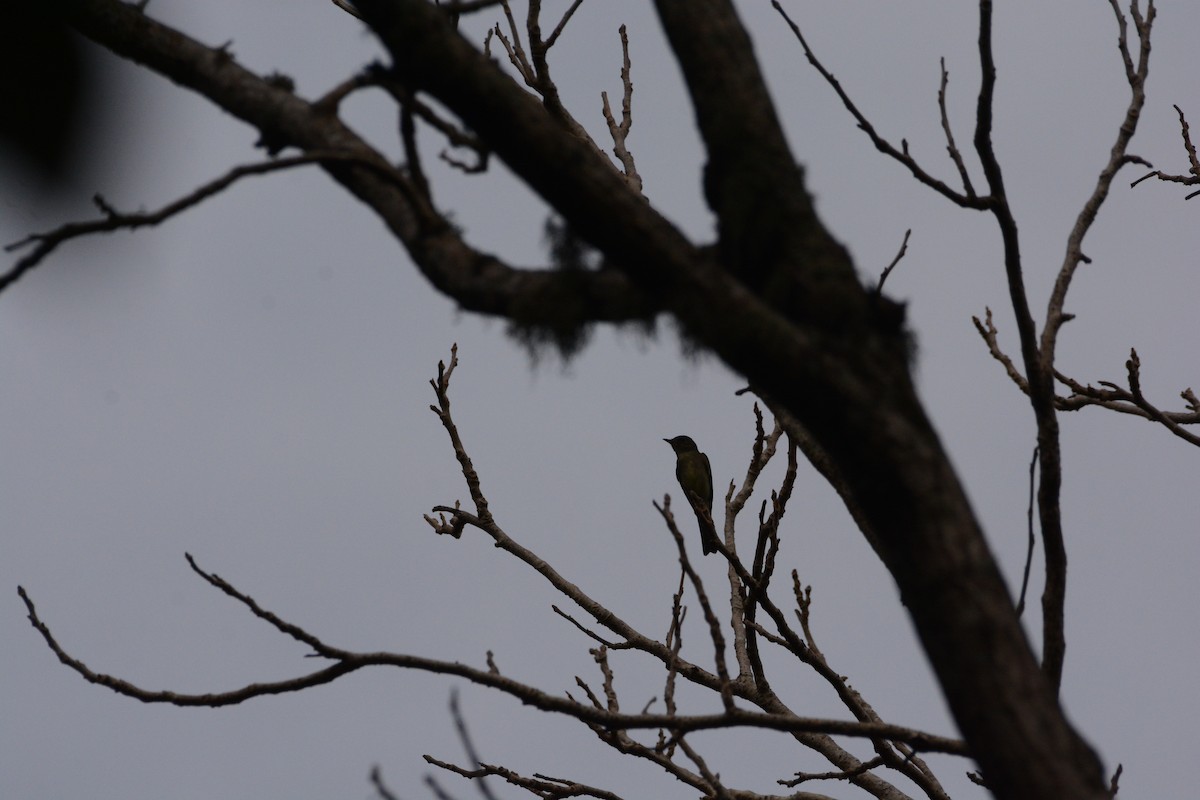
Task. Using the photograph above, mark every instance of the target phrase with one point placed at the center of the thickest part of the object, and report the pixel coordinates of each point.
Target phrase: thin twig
(900, 154)
(1109, 396)
(888, 269)
(44, 244)
(714, 625)
(562, 24)
(1032, 539)
(1190, 179)
(464, 736)
(620, 131)
(951, 147)
(350, 662)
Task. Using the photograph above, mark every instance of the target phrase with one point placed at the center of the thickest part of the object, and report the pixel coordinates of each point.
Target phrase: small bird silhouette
(694, 474)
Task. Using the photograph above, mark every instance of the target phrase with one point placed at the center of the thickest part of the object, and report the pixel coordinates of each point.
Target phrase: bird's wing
(708, 484)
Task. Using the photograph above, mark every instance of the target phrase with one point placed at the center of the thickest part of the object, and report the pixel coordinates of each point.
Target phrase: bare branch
(1032, 539)
(1193, 176)
(620, 131)
(987, 330)
(804, 777)
(534, 67)
(674, 641)
(901, 154)
(213, 700)
(725, 686)
(1118, 157)
(1038, 367)
(441, 388)
(380, 787)
(455, 135)
(1193, 161)
(464, 736)
(1114, 398)
(1115, 782)
(803, 608)
(1134, 395)
(44, 244)
(1109, 396)
(540, 785)
(516, 51)
(951, 147)
(478, 281)
(587, 631)
(888, 269)
(349, 662)
(562, 24)
(600, 655)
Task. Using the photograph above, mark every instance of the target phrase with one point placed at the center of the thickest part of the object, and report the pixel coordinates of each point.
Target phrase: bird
(694, 473)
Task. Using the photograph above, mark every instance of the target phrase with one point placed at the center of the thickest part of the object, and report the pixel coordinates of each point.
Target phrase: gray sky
(248, 383)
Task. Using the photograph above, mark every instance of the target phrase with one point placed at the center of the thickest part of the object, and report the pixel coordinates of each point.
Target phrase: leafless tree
(777, 298)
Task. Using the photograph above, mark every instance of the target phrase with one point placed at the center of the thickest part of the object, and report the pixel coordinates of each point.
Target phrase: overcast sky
(249, 383)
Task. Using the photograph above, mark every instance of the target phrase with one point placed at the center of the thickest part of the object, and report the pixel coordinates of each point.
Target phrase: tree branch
(348, 661)
(479, 281)
(901, 154)
(44, 244)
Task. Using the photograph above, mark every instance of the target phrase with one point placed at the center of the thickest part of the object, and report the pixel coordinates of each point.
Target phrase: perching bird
(695, 478)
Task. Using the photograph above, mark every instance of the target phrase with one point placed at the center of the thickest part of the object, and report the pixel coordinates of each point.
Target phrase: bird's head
(682, 444)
